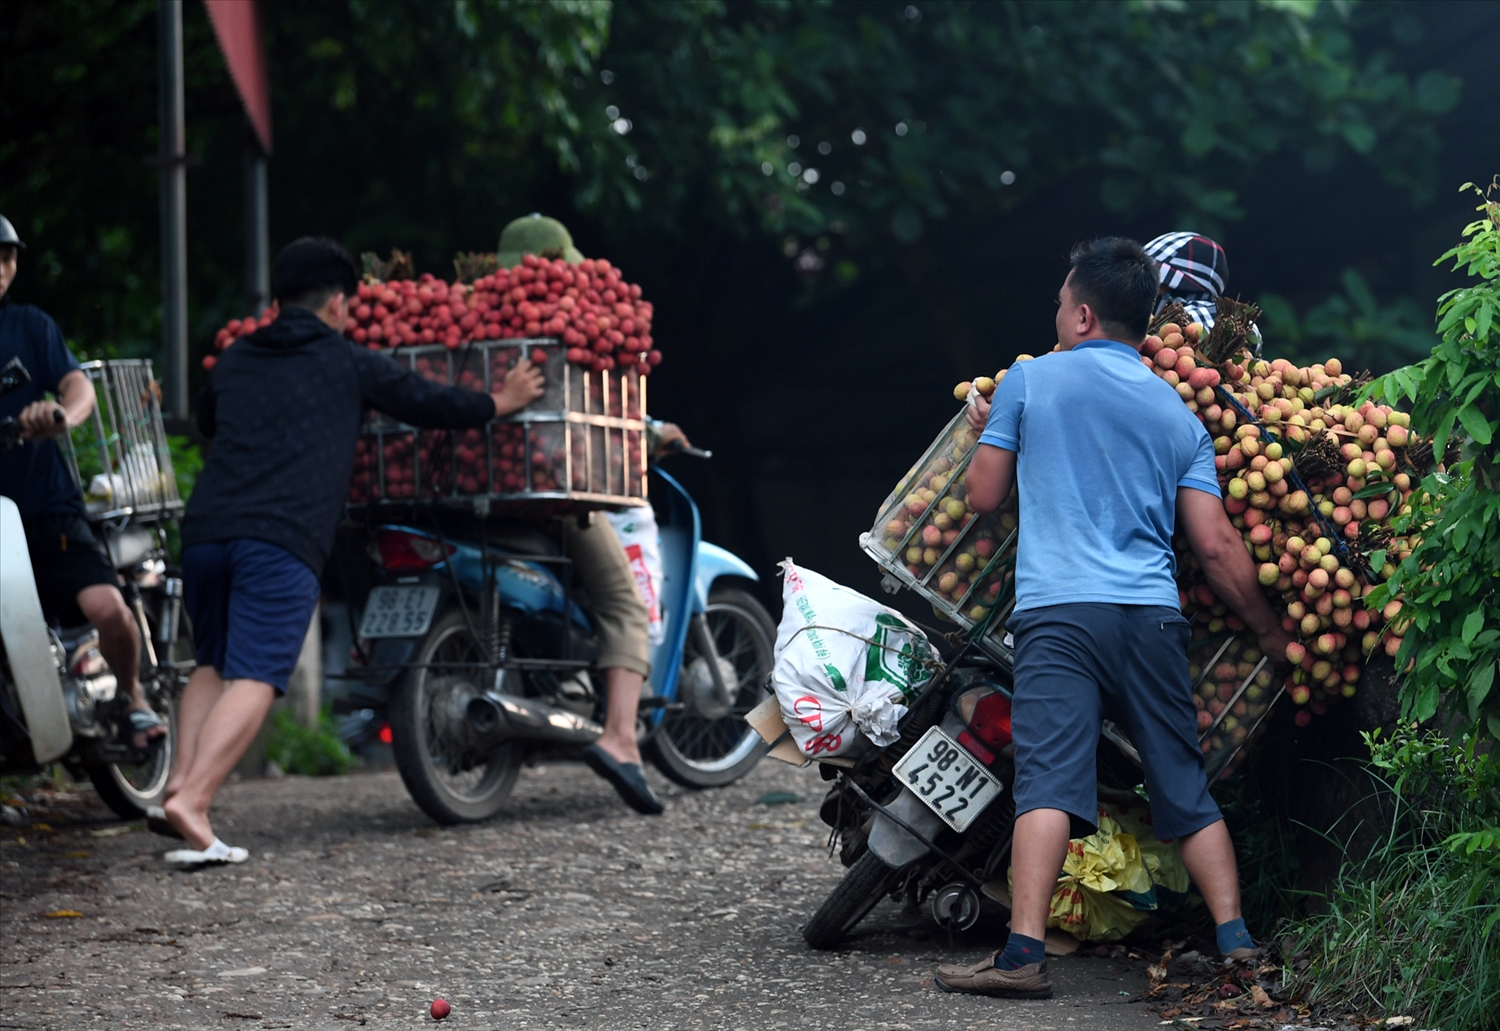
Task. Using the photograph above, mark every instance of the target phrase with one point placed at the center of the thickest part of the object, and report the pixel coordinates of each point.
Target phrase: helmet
(536, 234)
(8, 234)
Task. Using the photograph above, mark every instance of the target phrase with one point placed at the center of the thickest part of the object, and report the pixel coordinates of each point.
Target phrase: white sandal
(216, 853)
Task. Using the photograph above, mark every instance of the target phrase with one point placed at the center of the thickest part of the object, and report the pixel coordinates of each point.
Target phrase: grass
(1413, 928)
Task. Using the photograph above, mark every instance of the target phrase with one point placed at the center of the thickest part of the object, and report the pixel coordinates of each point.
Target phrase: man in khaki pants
(622, 623)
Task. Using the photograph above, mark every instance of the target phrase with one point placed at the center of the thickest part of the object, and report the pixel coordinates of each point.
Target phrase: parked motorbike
(475, 650)
(929, 818)
(59, 701)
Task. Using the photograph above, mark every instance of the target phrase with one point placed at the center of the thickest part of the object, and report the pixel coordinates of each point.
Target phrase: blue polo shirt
(1101, 447)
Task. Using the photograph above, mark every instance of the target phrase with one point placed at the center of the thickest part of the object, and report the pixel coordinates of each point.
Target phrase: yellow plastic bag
(1116, 878)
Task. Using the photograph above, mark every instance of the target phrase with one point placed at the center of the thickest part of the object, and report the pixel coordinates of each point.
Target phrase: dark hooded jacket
(283, 407)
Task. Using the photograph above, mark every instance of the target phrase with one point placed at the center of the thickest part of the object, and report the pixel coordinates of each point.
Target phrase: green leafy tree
(1450, 584)
(881, 117)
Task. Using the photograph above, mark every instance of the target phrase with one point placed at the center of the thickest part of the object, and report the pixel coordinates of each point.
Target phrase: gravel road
(565, 911)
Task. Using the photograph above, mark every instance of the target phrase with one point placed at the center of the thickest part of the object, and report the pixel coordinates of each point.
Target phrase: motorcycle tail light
(403, 552)
(987, 715)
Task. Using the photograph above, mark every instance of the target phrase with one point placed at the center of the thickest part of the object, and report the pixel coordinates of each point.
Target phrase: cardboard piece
(768, 723)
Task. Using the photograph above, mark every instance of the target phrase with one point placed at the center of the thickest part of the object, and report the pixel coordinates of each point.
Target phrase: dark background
(811, 340)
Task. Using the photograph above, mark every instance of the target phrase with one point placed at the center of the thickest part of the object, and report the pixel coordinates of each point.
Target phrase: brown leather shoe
(984, 978)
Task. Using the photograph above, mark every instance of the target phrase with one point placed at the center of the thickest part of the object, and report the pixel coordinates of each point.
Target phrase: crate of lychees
(580, 445)
(928, 539)
(1234, 687)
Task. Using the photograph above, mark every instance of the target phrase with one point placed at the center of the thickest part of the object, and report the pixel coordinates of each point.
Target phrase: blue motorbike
(474, 647)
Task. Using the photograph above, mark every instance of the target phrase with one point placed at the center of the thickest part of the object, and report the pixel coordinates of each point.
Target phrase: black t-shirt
(283, 406)
(34, 475)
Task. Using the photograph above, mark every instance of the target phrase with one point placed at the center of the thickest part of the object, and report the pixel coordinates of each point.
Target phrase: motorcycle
(474, 650)
(928, 818)
(59, 701)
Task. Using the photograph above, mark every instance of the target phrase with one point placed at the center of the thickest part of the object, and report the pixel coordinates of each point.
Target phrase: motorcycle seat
(127, 547)
(516, 539)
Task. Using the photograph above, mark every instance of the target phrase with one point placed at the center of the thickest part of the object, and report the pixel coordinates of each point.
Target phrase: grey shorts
(1077, 664)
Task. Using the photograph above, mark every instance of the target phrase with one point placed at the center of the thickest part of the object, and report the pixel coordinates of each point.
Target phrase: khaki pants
(604, 574)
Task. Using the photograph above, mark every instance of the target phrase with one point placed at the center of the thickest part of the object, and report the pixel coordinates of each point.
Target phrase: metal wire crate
(580, 445)
(928, 540)
(119, 458)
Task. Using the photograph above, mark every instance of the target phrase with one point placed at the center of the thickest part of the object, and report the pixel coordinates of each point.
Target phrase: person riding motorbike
(620, 613)
(75, 579)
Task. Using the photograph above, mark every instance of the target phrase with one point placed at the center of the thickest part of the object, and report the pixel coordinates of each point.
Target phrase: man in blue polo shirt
(1108, 461)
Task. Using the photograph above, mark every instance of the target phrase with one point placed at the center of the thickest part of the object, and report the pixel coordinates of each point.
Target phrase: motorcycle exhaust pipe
(171, 612)
(496, 718)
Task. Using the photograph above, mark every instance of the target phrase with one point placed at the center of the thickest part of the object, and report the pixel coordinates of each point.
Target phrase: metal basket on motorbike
(1235, 687)
(581, 445)
(119, 458)
(928, 539)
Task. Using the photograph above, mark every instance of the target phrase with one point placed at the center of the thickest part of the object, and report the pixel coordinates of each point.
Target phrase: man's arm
(75, 400)
(992, 473)
(1228, 567)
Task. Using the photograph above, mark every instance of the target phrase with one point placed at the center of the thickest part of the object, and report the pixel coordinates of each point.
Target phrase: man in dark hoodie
(283, 407)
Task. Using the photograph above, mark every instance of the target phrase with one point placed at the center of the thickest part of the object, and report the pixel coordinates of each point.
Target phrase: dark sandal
(142, 721)
(627, 778)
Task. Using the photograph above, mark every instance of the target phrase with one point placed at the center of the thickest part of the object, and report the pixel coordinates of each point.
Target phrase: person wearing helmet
(605, 575)
(74, 577)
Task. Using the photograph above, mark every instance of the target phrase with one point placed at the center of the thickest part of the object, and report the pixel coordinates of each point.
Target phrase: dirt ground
(567, 910)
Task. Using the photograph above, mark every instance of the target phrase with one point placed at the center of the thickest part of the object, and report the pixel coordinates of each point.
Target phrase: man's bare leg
(1208, 855)
(1036, 860)
(119, 643)
(226, 735)
(623, 693)
(202, 693)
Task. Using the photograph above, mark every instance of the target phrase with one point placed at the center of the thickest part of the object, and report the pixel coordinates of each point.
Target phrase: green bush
(1449, 586)
(310, 751)
(1413, 928)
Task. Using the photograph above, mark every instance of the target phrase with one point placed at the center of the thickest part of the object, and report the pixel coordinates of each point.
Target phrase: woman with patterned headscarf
(1193, 272)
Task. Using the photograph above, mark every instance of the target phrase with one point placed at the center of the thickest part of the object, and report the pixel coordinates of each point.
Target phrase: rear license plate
(947, 779)
(398, 611)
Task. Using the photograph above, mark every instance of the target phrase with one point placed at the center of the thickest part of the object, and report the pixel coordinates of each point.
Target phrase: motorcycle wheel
(447, 783)
(701, 752)
(865, 883)
(129, 789)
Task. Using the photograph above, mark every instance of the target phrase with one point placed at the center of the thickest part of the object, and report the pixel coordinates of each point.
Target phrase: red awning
(237, 25)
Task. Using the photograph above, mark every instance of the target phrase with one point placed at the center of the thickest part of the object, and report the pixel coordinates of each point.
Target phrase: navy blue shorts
(1077, 664)
(250, 604)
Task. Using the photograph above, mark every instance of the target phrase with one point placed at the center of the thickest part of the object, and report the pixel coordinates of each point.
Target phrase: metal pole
(257, 228)
(173, 207)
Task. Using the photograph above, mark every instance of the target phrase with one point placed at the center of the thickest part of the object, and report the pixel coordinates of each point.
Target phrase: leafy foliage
(1413, 927)
(1450, 584)
(414, 124)
(881, 117)
(309, 751)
